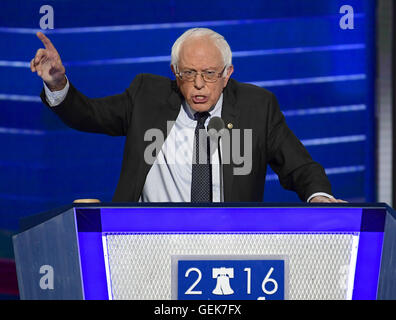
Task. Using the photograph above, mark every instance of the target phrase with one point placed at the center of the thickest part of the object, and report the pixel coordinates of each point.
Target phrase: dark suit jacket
(151, 101)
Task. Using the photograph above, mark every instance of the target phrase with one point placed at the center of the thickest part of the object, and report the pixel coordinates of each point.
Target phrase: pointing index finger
(47, 42)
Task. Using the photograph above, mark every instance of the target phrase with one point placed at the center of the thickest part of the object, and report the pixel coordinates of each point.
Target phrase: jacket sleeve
(290, 160)
(109, 115)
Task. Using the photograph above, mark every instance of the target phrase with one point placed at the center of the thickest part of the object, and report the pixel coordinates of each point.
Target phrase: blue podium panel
(233, 251)
(233, 278)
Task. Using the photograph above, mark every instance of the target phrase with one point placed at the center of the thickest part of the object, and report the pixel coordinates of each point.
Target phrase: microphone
(216, 129)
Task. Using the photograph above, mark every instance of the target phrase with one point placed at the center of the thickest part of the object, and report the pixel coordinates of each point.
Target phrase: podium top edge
(224, 204)
(33, 220)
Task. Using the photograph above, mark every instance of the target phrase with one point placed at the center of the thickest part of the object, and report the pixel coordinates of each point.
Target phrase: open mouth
(200, 99)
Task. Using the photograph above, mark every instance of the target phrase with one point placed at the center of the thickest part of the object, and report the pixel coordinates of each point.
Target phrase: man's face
(201, 54)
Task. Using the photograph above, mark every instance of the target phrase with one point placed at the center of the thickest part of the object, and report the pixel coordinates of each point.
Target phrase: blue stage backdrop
(322, 75)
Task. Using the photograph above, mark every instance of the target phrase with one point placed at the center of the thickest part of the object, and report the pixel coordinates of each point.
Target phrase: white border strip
(333, 140)
(324, 110)
(165, 25)
(297, 81)
(107, 266)
(235, 54)
(19, 97)
(352, 266)
(329, 171)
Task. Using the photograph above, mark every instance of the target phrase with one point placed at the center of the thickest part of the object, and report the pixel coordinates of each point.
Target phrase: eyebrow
(206, 69)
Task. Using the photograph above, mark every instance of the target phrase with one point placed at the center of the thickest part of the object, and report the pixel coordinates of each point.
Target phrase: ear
(230, 70)
(174, 72)
(173, 69)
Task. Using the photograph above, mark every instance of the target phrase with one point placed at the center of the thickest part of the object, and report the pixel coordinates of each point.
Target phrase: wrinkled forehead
(200, 52)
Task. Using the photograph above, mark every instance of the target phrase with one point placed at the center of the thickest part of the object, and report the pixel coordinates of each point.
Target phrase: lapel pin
(230, 125)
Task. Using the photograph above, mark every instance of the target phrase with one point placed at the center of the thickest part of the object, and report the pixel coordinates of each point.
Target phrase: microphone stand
(217, 124)
(221, 171)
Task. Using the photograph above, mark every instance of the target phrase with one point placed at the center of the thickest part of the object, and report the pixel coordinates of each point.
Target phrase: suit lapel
(230, 115)
(171, 109)
(168, 111)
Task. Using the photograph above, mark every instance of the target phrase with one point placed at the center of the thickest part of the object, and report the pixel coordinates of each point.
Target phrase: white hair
(217, 38)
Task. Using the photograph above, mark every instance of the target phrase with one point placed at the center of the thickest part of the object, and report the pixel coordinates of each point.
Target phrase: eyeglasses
(207, 75)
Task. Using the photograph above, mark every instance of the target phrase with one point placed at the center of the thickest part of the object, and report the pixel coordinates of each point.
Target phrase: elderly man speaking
(180, 109)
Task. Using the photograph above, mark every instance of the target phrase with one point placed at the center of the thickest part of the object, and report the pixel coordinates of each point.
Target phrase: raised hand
(48, 65)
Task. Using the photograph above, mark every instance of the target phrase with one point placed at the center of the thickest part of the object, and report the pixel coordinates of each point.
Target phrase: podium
(135, 251)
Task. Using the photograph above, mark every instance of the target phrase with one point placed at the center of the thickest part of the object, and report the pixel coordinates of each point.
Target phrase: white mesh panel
(320, 264)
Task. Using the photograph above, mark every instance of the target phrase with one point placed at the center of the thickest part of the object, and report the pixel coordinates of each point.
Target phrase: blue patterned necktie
(201, 180)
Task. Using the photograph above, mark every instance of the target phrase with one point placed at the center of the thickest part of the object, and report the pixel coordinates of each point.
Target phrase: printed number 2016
(267, 280)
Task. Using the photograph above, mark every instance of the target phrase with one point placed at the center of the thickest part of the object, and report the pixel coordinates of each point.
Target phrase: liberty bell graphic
(223, 276)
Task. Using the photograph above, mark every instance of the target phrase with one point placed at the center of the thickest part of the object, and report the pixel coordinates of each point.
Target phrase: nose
(199, 82)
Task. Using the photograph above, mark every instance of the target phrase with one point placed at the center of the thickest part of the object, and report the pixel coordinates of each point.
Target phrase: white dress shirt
(169, 178)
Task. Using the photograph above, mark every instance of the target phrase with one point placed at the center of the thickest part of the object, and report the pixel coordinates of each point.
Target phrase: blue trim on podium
(368, 266)
(368, 222)
(231, 219)
(92, 266)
